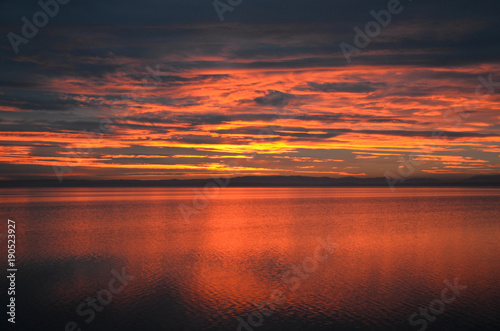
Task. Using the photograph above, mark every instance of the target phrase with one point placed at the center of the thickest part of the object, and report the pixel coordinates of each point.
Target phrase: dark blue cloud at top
(86, 38)
(154, 12)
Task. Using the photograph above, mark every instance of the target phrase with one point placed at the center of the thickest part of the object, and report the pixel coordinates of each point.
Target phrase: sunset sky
(164, 89)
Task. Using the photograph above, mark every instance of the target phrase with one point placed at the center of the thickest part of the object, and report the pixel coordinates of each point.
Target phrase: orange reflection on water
(395, 249)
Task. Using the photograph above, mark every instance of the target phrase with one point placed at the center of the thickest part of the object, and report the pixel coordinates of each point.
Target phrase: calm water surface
(394, 252)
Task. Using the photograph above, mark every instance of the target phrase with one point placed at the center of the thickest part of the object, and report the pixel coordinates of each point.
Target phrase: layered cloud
(165, 90)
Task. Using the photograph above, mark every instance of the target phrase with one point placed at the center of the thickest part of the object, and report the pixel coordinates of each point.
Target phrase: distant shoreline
(491, 181)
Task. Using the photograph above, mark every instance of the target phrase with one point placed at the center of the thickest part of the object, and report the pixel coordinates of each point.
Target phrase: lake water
(388, 254)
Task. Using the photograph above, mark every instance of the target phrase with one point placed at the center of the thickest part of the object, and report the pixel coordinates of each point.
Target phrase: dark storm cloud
(199, 78)
(163, 150)
(268, 117)
(40, 100)
(355, 118)
(429, 134)
(92, 38)
(291, 132)
(345, 87)
(274, 98)
(135, 29)
(202, 119)
(199, 139)
(154, 12)
(25, 171)
(298, 132)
